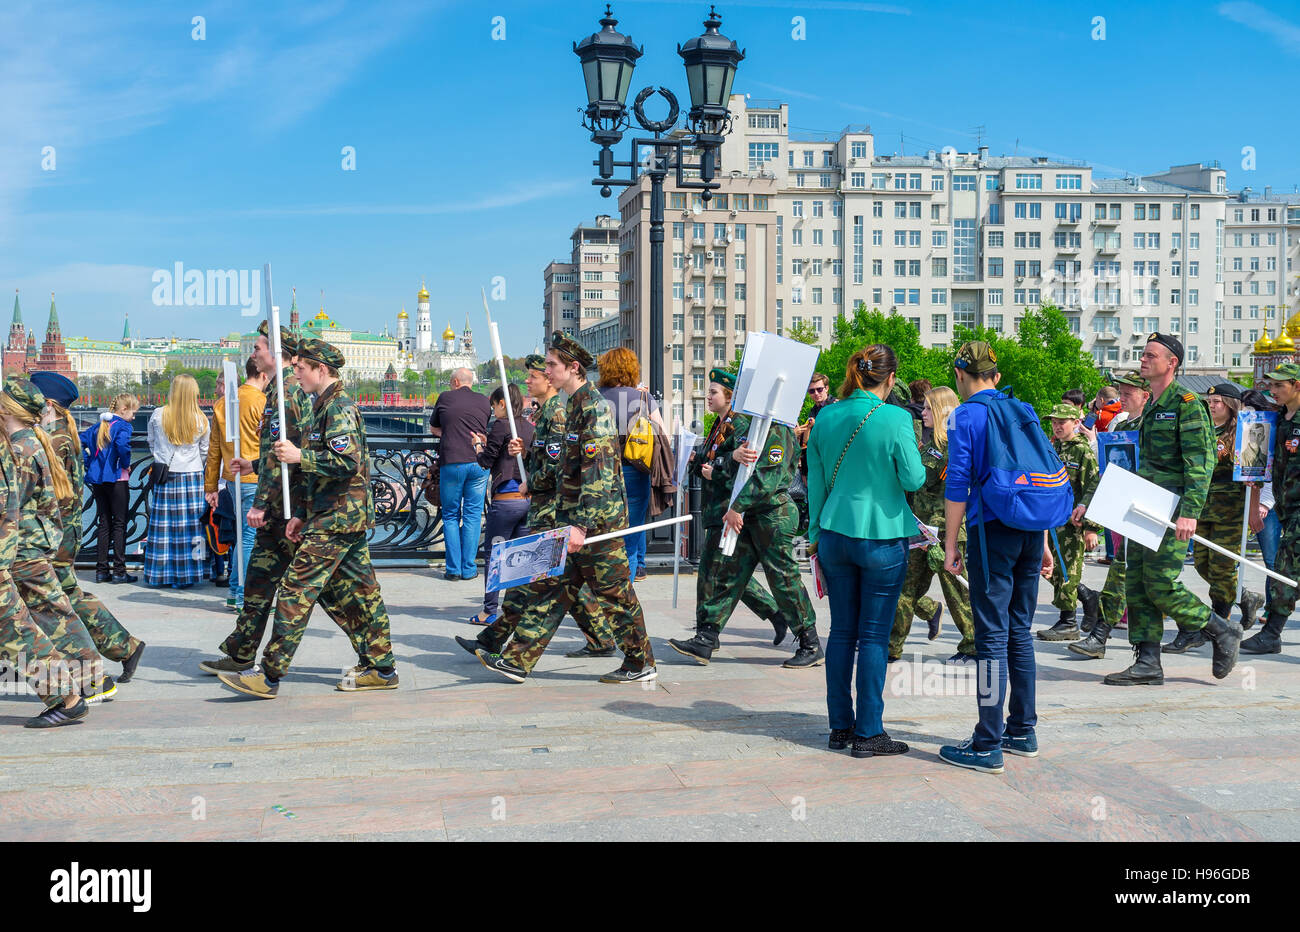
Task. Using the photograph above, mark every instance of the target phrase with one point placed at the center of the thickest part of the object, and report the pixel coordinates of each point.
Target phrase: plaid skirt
(175, 551)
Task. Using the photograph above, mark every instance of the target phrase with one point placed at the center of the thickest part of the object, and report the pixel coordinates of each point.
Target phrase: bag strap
(844, 452)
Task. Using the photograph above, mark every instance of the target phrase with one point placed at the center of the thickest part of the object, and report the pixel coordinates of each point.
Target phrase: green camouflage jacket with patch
(715, 492)
(1081, 466)
(297, 411)
(591, 466)
(1176, 447)
(335, 494)
(542, 460)
(773, 473)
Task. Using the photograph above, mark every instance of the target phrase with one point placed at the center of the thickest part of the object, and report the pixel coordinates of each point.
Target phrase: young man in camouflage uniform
(1079, 536)
(1285, 384)
(764, 520)
(330, 519)
(542, 460)
(1134, 392)
(591, 501)
(1175, 447)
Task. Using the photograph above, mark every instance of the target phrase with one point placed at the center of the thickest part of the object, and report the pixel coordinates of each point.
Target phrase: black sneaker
(624, 675)
(125, 577)
(588, 651)
(103, 691)
(470, 645)
(502, 666)
(840, 738)
(130, 663)
(53, 718)
(880, 745)
(103, 577)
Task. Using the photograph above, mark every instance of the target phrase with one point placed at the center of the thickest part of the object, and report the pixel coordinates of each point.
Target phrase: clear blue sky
(225, 153)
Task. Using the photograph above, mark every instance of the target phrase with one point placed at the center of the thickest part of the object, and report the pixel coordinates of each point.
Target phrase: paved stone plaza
(735, 750)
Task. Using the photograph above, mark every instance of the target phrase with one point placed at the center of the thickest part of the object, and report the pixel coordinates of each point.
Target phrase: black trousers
(111, 500)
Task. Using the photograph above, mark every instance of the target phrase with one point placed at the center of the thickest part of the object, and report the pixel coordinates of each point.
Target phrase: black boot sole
(1076, 648)
(1151, 681)
(1248, 648)
(1053, 634)
(702, 661)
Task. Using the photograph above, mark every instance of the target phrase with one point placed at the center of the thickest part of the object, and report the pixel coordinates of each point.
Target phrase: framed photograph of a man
(1252, 458)
(1119, 447)
(525, 559)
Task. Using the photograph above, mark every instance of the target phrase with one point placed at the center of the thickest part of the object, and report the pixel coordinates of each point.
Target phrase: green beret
(1133, 380)
(724, 377)
(1287, 372)
(26, 394)
(288, 342)
(535, 362)
(1066, 412)
(563, 343)
(320, 351)
(976, 357)
(1225, 390)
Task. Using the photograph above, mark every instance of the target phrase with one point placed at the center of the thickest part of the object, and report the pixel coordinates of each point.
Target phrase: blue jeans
(462, 487)
(1003, 611)
(637, 485)
(242, 493)
(865, 578)
(1269, 538)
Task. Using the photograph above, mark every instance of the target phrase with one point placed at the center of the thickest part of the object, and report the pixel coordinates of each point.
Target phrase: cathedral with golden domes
(421, 352)
(1271, 352)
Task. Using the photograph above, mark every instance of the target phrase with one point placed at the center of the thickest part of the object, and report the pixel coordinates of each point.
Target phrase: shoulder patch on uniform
(553, 450)
(315, 435)
(572, 438)
(591, 448)
(1188, 396)
(340, 444)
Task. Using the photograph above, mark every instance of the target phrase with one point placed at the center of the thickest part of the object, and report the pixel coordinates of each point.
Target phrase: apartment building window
(791, 159)
(995, 266)
(679, 320)
(719, 291)
(837, 296)
(914, 296)
(935, 213)
(1153, 211)
(1195, 212)
(593, 294)
(807, 158)
(697, 259)
(760, 153)
(740, 201)
(1193, 325)
(697, 291)
(1020, 210)
(741, 323)
(816, 267)
(875, 296)
(995, 296)
(740, 232)
(796, 295)
(817, 208)
(938, 238)
(697, 232)
(679, 383)
(1193, 297)
(900, 266)
(963, 182)
(900, 296)
(697, 350)
(877, 237)
(836, 238)
(679, 231)
(740, 262)
(1194, 240)
(914, 209)
(900, 181)
(697, 381)
(914, 181)
(837, 209)
(679, 291)
(796, 266)
(1153, 298)
(939, 323)
(678, 353)
(739, 291)
(877, 267)
(857, 249)
(963, 247)
(761, 202)
(720, 352)
(939, 267)
(858, 150)
(679, 260)
(1029, 182)
(914, 237)
(816, 296)
(1176, 212)
(1069, 182)
(914, 268)
(764, 121)
(857, 179)
(796, 237)
(938, 295)
(900, 208)
(837, 267)
(796, 208)
(1175, 296)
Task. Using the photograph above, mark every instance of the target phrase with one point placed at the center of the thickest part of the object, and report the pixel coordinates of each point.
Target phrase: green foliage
(803, 332)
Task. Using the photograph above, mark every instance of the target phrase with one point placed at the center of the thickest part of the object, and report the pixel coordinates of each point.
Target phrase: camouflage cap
(1287, 372)
(320, 351)
(1066, 412)
(1225, 390)
(976, 357)
(724, 377)
(27, 395)
(1132, 380)
(563, 343)
(288, 341)
(535, 362)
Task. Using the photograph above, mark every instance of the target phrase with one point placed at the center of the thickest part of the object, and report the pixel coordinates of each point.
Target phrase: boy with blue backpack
(1010, 487)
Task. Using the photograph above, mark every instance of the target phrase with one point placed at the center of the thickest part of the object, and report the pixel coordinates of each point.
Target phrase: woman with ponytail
(175, 552)
(111, 639)
(106, 451)
(42, 484)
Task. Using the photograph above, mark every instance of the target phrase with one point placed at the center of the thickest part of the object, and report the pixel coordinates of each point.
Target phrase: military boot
(809, 653)
(1145, 670)
(1225, 634)
(1184, 641)
(1094, 645)
(1268, 640)
(780, 628)
(1064, 630)
(1251, 603)
(1091, 600)
(701, 647)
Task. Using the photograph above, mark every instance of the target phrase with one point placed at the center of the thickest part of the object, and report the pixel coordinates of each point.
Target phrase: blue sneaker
(1023, 746)
(965, 755)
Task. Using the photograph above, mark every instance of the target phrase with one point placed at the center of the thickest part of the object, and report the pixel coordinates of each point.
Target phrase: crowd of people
(903, 485)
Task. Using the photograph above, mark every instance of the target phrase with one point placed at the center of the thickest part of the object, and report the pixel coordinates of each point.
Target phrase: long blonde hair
(58, 476)
(181, 414)
(123, 402)
(942, 401)
(65, 414)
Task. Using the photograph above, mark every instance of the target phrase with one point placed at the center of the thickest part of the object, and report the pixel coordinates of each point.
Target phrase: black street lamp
(608, 61)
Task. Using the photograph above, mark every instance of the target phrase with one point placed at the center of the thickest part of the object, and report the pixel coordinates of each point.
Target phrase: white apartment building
(584, 290)
(1261, 270)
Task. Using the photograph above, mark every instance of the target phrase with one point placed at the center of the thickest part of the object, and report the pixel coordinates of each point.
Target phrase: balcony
(1068, 250)
(697, 270)
(1108, 249)
(1068, 222)
(1105, 222)
(719, 333)
(1106, 335)
(720, 241)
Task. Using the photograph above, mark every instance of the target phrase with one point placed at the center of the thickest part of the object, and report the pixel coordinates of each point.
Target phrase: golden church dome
(403, 315)
(1263, 345)
(321, 315)
(449, 334)
(1283, 344)
(424, 292)
(1293, 327)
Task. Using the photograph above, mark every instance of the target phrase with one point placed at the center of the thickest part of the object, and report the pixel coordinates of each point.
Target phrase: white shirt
(187, 458)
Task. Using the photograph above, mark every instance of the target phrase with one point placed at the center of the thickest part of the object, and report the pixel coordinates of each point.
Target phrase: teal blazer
(869, 500)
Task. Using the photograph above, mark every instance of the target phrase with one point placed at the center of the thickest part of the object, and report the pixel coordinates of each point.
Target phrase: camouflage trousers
(40, 591)
(1153, 591)
(111, 639)
(1065, 592)
(754, 597)
(585, 611)
(1219, 571)
(271, 556)
(21, 639)
(921, 571)
(1114, 601)
(333, 569)
(767, 538)
(924, 608)
(604, 568)
(1281, 597)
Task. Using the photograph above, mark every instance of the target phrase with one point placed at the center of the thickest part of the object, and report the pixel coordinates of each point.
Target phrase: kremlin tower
(53, 357)
(423, 325)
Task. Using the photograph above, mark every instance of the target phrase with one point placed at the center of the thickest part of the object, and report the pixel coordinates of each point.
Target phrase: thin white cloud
(1254, 16)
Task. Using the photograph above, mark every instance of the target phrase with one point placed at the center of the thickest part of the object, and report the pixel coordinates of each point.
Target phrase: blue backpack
(1026, 486)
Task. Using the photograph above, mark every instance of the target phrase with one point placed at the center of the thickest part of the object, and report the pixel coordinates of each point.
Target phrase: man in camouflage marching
(591, 502)
(1079, 536)
(1285, 385)
(331, 516)
(1175, 450)
(764, 520)
(542, 461)
(1134, 392)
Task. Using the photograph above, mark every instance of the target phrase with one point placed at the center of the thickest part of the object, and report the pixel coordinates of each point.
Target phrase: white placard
(231, 379)
(1113, 506)
(685, 446)
(767, 358)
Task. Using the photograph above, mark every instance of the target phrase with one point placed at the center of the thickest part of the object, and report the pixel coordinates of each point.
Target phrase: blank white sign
(1132, 507)
(760, 391)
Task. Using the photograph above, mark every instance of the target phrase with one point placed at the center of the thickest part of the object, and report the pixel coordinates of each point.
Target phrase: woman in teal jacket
(862, 462)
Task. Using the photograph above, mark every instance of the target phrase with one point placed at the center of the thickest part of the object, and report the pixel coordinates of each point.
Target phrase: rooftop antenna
(979, 135)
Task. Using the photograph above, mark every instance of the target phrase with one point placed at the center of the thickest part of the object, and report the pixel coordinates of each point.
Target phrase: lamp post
(608, 61)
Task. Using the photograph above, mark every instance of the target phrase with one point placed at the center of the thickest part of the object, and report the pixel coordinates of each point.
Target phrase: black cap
(1225, 390)
(1173, 344)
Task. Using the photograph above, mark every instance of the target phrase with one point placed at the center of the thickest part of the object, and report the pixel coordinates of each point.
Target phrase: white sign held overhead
(230, 377)
(766, 358)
